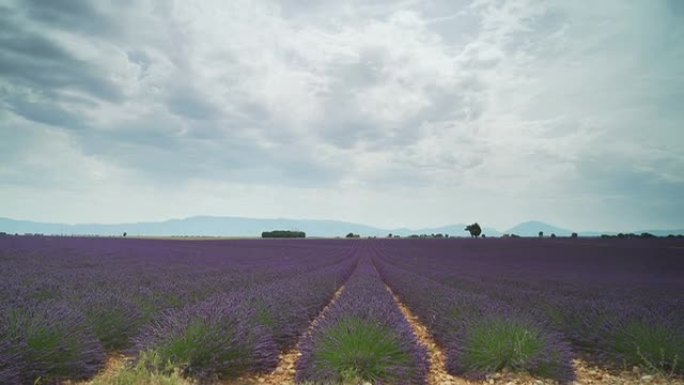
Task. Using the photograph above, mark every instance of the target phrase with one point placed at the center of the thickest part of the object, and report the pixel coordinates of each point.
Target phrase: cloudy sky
(390, 113)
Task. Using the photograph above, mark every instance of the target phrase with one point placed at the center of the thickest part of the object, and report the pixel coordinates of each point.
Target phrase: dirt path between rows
(284, 373)
(438, 374)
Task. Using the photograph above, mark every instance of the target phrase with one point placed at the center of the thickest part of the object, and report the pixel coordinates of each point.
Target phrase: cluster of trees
(433, 235)
(352, 235)
(283, 234)
(629, 235)
(540, 235)
(25, 234)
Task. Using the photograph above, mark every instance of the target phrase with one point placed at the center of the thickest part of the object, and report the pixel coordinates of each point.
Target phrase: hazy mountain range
(252, 227)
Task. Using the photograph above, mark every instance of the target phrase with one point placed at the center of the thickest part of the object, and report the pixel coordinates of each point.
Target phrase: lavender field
(221, 310)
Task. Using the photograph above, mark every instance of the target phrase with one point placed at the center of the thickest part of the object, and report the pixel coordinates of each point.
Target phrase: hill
(532, 229)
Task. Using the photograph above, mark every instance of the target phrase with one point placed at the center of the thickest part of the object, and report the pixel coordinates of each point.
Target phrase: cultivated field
(381, 311)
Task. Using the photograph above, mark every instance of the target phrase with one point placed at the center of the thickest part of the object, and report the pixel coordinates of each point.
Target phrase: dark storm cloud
(164, 155)
(43, 112)
(37, 67)
(74, 15)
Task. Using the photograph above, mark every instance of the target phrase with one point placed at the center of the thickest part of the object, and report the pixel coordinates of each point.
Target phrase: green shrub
(196, 347)
(650, 345)
(110, 328)
(51, 343)
(144, 372)
(360, 351)
(497, 344)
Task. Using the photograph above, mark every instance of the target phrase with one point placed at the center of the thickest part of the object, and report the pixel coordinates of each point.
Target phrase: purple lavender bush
(239, 332)
(645, 338)
(481, 335)
(363, 337)
(514, 342)
(216, 339)
(113, 318)
(288, 306)
(50, 342)
(10, 358)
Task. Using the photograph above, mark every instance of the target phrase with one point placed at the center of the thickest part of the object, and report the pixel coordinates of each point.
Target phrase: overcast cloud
(410, 113)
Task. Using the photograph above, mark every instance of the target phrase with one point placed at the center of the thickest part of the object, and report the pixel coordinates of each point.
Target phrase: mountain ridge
(229, 226)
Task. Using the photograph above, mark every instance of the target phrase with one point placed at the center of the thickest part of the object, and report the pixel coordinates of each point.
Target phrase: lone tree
(474, 230)
(541, 234)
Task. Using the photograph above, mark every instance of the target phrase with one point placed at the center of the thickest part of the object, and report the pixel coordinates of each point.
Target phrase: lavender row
(110, 280)
(619, 301)
(611, 329)
(156, 273)
(66, 301)
(51, 341)
(641, 271)
(363, 336)
(232, 334)
(481, 335)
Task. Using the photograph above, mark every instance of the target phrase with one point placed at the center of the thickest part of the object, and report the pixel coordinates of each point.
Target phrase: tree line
(283, 234)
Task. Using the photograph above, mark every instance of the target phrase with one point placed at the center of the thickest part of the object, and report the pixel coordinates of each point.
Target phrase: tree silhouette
(474, 230)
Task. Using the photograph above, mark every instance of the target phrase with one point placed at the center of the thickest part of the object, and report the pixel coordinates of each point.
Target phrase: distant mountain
(532, 229)
(195, 226)
(252, 227)
(226, 226)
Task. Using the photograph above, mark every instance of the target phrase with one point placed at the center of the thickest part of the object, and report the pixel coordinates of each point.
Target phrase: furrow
(284, 373)
(438, 374)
